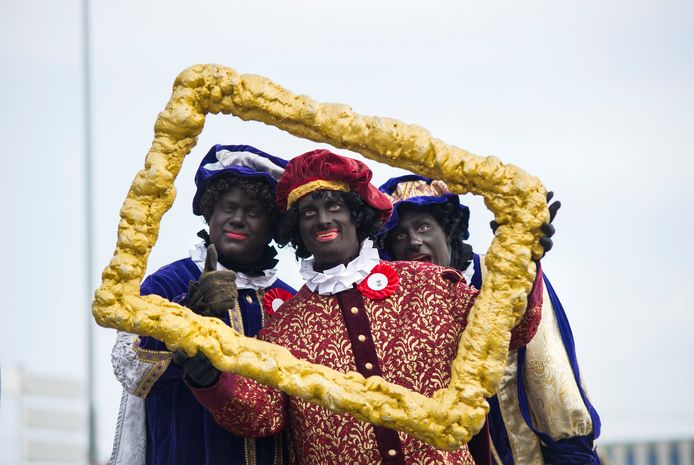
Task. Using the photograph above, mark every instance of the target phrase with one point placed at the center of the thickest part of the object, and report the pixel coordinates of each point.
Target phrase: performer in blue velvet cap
(160, 421)
(541, 413)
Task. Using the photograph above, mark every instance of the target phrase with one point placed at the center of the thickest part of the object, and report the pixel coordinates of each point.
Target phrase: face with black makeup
(240, 226)
(327, 228)
(419, 237)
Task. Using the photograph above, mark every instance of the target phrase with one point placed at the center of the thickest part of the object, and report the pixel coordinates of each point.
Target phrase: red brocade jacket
(409, 338)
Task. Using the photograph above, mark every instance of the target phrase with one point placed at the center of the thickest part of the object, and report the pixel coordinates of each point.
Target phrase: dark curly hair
(454, 223)
(255, 188)
(366, 219)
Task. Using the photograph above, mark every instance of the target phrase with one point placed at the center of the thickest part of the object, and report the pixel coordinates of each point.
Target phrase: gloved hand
(200, 373)
(215, 293)
(547, 228)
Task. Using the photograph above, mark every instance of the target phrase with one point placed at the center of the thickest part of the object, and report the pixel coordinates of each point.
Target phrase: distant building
(671, 452)
(43, 419)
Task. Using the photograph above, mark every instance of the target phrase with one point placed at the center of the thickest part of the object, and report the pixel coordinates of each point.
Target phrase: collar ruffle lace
(341, 277)
(243, 281)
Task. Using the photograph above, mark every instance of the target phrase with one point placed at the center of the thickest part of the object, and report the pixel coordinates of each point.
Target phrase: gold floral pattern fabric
(557, 406)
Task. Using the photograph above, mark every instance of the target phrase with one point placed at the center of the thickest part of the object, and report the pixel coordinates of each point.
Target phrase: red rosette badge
(274, 298)
(380, 283)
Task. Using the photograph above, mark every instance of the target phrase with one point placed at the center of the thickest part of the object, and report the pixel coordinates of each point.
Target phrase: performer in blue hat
(541, 413)
(160, 421)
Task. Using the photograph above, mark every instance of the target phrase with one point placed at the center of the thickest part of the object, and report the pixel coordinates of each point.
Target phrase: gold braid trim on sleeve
(159, 360)
(517, 200)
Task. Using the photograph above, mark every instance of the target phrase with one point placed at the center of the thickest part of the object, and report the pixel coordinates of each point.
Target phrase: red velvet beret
(322, 169)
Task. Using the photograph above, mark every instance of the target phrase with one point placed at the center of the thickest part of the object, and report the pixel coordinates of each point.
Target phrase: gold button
(392, 452)
(354, 310)
(249, 299)
(361, 338)
(368, 366)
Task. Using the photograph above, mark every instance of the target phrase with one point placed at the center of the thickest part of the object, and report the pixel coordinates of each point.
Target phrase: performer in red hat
(399, 320)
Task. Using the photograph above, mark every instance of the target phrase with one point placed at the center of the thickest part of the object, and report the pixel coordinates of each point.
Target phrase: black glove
(215, 293)
(547, 228)
(200, 373)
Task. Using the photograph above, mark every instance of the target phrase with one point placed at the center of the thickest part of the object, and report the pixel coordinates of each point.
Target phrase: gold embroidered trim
(159, 359)
(143, 388)
(149, 355)
(249, 451)
(235, 320)
(418, 188)
(318, 184)
(260, 295)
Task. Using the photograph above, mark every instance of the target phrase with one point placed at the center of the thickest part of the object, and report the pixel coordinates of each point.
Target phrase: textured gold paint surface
(517, 200)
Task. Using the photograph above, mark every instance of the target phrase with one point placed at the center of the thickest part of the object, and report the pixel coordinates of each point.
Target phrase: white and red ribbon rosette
(274, 298)
(380, 283)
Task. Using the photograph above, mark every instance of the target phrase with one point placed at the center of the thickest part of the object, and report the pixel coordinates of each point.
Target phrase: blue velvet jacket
(179, 430)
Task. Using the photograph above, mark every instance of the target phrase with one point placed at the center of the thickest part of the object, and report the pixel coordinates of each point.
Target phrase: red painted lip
(236, 236)
(420, 257)
(327, 235)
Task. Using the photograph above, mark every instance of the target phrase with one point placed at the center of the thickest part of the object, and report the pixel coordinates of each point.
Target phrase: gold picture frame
(447, 419)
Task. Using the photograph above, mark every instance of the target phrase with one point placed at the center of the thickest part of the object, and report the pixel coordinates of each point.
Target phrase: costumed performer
(541, 413)
(401, 321)
(160, 421)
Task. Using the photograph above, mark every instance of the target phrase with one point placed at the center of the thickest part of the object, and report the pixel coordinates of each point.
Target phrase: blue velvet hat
(240, 160)
(419, 191)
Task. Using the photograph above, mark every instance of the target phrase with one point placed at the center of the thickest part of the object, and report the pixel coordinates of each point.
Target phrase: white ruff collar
(341, 277)
(243, 281)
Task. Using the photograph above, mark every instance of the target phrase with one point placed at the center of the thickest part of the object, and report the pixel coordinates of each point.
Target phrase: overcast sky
(594, 97)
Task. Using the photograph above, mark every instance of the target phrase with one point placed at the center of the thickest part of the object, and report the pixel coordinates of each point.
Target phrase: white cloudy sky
(594, 97)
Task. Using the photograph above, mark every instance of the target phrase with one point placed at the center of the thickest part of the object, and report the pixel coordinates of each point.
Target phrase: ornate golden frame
(517, 200)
